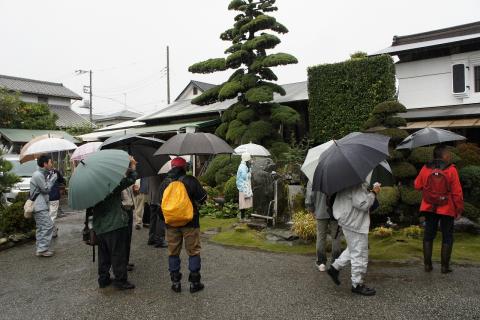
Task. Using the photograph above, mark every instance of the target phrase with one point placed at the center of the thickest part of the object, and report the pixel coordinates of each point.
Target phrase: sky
(124, 42)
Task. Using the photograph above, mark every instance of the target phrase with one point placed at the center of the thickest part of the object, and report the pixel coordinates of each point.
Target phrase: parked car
(24, 171)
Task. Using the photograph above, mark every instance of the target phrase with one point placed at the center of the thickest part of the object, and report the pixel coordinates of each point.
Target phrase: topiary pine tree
(254, 117)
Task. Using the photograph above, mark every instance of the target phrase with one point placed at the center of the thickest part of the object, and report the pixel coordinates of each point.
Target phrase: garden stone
(464, 224)
(3, 240)
(17, 237)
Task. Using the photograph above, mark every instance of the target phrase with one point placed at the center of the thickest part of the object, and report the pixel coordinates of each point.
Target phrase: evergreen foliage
(251, 83)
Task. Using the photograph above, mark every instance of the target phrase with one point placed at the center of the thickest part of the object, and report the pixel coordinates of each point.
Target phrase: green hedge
(230, 190)
(470, 179)
(342, 95)
(220, 170)
(387, 199)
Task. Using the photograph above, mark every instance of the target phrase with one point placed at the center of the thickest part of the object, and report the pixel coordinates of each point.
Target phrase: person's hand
(376, 189)
(133, 163)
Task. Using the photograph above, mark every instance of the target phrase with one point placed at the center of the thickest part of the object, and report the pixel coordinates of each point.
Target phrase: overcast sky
(124, 42)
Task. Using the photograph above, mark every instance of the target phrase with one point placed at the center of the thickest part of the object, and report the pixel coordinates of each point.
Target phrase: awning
(452, 123)
(150, 130)
(25, 135)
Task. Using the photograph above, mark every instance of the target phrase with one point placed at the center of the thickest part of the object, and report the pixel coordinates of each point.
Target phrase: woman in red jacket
(442, 201)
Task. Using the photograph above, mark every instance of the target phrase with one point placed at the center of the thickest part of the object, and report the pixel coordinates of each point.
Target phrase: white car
(24, 171)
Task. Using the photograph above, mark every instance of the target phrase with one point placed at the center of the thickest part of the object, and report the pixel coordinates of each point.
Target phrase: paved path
(240, 284)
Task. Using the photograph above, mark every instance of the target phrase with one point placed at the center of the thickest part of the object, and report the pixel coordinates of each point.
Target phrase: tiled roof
(203, 85)
(37, 87)
(25, 135)
(67, 117)
(124, 114)
(294, 92)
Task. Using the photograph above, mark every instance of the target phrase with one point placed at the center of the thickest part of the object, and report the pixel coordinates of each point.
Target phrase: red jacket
(454, 207)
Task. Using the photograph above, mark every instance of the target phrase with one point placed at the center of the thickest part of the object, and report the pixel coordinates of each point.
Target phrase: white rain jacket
(351, 208)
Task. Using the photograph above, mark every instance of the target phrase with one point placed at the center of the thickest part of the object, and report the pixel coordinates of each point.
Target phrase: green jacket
(108, 214)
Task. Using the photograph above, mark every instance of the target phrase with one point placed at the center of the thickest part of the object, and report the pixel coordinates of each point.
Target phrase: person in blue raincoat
(244, 185)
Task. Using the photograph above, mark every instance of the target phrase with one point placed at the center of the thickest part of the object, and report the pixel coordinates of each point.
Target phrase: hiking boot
(364, 291)
(445, 258)
(427, 255)
(195, 284)
(46, 254)
(104, 283)
(124, 285)
(334, 273)
(176, 277)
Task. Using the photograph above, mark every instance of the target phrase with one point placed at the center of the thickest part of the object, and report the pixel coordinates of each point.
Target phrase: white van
(24, 171)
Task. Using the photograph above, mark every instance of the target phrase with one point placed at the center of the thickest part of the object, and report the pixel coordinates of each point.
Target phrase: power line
(137, 83)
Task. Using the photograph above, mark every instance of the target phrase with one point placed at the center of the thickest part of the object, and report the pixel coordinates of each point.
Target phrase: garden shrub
(12, 219)
(342, 95)
(422, 155)
(387, 199)
(382, 232)
(212, 209)
(278, 149)
(396, 135)
(230, 190)
(470, 179)
(471, 212)
(304, 225)
(403, 170)
(410, 196)
(220, 169)
(414, 232)
(469, 154)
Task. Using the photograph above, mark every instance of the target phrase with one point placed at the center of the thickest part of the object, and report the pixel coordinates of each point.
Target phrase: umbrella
(427, 137)
(85, 150)
(96, 177)
(142, 149)
(198, 143)
(313, 156)
(43, 145)
(255, 150)
(382, 174)
(168, 166)
(348, 161)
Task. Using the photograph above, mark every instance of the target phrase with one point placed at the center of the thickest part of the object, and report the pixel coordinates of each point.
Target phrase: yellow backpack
(177, 207)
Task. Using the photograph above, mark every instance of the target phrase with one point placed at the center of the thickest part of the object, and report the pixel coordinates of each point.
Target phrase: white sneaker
(321, 267)
(47, 254)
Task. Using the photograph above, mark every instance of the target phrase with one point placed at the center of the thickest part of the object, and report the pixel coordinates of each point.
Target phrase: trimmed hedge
(220, 170)
(230, 190)
(387, 200)
(342, 95)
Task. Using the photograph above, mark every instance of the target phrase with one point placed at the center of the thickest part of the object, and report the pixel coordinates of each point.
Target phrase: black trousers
(156, 232)
(431, 226)
(112, 253)
(130, 230)
(146, 214)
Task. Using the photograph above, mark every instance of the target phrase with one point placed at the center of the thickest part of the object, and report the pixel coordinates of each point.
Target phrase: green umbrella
(96, 177)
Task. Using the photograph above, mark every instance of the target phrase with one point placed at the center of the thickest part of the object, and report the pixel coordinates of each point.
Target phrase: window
(42, 99)
(195, 91)
(458, 72)
(476, 78)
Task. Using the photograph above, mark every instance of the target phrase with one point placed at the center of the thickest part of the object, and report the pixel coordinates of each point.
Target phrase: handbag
(29, 206)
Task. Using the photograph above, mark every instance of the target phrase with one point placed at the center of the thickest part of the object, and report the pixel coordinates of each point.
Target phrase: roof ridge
(31, 80)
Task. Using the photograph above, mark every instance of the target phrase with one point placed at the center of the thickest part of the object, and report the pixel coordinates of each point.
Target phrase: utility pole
(168, 75)
(87, 89)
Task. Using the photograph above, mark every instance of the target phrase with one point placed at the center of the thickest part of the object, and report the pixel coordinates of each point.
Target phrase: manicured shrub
(221, 169)
(382, 232)
(342, 95)
(304, 225)
(396, 135)
(230, 190)
(404, 170)
(278, 149)
(422, 155)
(388, 198)
(470, 179)
(470, 155)
(410, 196)
(471, 212)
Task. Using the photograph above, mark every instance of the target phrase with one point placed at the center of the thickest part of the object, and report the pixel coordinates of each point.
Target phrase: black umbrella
(427, 137)
(142, 149)
(348, 161)
(198, 143)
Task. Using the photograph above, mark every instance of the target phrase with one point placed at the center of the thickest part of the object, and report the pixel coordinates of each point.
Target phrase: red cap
(178, 162)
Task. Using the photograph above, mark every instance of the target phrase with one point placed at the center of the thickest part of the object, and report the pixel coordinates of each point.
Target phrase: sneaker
(321, 267)
(334, 273)
(363, 290)
(125, 285)
(46, 253)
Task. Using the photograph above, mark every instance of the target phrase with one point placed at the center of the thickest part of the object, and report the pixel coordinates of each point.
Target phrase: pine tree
(254, 117)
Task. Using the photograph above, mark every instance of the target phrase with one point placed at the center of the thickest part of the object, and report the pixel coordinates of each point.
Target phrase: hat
(246, 156)
(178, 162)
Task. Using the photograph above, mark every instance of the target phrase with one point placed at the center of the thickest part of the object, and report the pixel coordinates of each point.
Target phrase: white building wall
(188, 94)
(428, 83)
(33, 98)
(29, 98)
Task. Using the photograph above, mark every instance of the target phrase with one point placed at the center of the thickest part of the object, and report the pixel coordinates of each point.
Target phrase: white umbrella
(85, 150)
(47, 145)
(255, 150)
(313, 156)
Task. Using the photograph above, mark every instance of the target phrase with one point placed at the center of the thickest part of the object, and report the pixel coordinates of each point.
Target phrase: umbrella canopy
(96, 177)
(85, 150)
(142, 149)
(348, 161)
(427, 137)
(382, 174)
(198, 143)
(313, 156)
(42, 145)
(255, 150)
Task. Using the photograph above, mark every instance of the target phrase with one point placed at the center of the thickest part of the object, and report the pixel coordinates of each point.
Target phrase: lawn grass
(399, 248)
